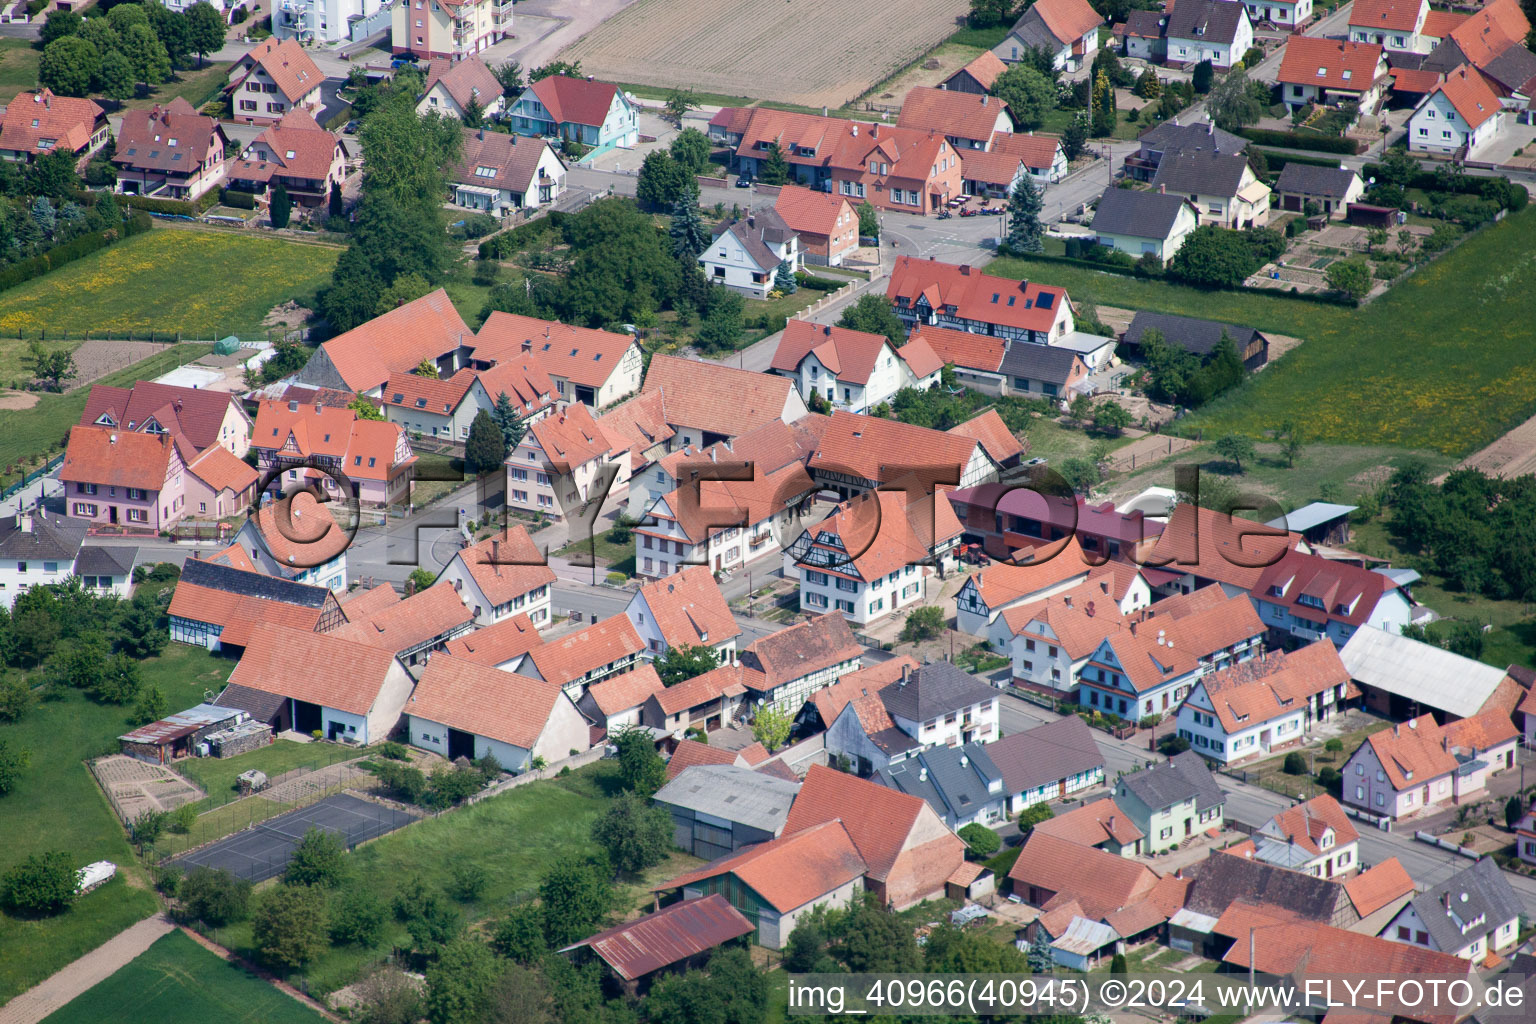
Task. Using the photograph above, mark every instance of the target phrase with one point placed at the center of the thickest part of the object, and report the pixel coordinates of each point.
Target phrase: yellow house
(449, 28)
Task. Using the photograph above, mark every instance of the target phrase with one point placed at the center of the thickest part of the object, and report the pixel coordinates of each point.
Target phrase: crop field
(816, 54)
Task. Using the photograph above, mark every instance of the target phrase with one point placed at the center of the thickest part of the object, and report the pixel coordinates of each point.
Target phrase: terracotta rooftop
(667, 936)
(196, 414)
(812, 212)
(963, 115)
(691, 752)
(498, 643)
(850, 355)
(688, 608)
(571, 657)
(989, 429)
(506, 566)
(1383, 883)
(570, 438)
(221, 470)
(1387, 15)
(974, 295)
(799, 650)
(829, 701)
(396, 342)
(791, 871)
(289, 66)
(719, 399)
(484, 701)
(885, 450)
(282, 660)
(1330, 63)
(1092, 824)
(701, 689)
(879, 820)
(579, 354)
(1274, 684)
(405, 626)
(35, 118)
(1102, 882)
(575, 100)
(625, 690)
(1217, 547)
(118, 458)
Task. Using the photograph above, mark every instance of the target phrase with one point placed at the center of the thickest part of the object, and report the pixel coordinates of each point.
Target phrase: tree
(1103, 112)
(571, 69)
(691, 150)
(784, 279)
(474, 113)
(1041, 959)
(521, 996)
(317, 860)
(1147, 85)
(773, 169)
(1214, 257)
(1081, 474)
(281, 208)
(1204, 74)
(467, 882)
(875, 940)
(1236, 449)
(983, 841)
(1033, 815)
(1234, 102)
(508, 422)
(486, 448)
(13, 762)
(923, 624)
(68, 65)
(288, 927)
(1291, 443)
(216, 898)
(771, 727)
(520, 935)
(722, 326)
(407, 154)
(336, 203)
(640, 768)
(151, 706)
(663, 181)
(872, 314)
(15, 701)
(151, 63)
(1172, 744)
(1074, 139)
(1029, 95)
(205, 29)
(365, 409)
(388, 996)
(1514, 810)
(986, 13)
(1111, 417)
(684, 661)
(114, 78)
(460, 983)
(433, 922)
(170, 28)
(1025, 233)
(635, 834)
(40, 886)
(52, 367)
(869, 220)
(60, 23)
(575, 899)
(1352, 277)
(690, 236)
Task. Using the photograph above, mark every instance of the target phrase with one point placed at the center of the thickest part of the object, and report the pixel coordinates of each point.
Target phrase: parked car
(744, 181)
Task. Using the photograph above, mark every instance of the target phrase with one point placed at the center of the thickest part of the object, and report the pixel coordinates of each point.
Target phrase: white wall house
(1222, 40)
(502, 576)
(1460, 117)
(745, 255)
(514, 719)
(318, 21)
(1280, 13)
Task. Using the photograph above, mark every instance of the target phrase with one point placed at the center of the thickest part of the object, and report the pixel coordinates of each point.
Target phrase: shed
(1404, 677)
(1320, 522)
(717, 809)
(673, 938)
(178, 735)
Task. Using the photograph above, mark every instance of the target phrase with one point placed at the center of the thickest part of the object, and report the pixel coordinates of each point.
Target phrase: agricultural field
(57, 805)
(811, 54)
(203, 284)
(177, 981)
(1419, 368)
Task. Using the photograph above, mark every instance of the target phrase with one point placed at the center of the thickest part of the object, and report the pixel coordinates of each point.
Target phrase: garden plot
(135, 786)
(95, 359)
(817, 54)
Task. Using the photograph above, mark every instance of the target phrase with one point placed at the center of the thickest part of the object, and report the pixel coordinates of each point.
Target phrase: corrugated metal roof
(1420, 672)
(673, 933)
(733, 793)
(1315, 514)
(180, 724)
(1084, 937)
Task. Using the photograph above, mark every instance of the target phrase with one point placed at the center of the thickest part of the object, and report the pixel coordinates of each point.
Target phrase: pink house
(1420, 764)
(219, 485)
(124, 478)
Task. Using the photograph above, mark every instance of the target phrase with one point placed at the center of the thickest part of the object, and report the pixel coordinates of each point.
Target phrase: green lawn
(58, 806)
(216, 775)
(196, 86)
(176, 981)
(1439, 363)
(619, 557)
(514, 837)
(204, 284)
(18, 66)
(33, 435)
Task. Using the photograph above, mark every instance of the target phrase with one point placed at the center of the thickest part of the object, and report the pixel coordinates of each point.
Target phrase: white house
(595, 114)
(685, 609)
(1266, 704)
(314, 21)
(692, 525)
(563, 461)
(461, 709)
(273, 78)
(37, 549)
(853, 370)
(983, 597)
(302, 541)
(1307, 596)
(497, 174)
(1137, 223)
(432, 407)
(1069, 29)
(1280, 13)
(1221, 187)
(588, 367)
(502, 576)
(453, 87)
(1421, 764)
(1391, 24)
(1052, 640)
(1331, 72)
(1474, 914)
(1215, 30)
(1458, 118)
(746, 254)
(1314, 837)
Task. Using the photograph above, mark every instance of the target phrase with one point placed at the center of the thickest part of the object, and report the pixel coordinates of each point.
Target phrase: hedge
(84, 245)
(197, 208)
(1276, 160)
(1429, 181)
(1326, 298)
(523, 236)
(239, 200)
(821, 284)
(1296, 140)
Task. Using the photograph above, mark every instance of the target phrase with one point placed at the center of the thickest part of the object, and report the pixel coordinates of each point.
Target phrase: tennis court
(263, 851)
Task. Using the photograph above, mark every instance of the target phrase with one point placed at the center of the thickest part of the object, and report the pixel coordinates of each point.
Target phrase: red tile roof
(283, 661)
(642, 421)
(688, 608)
(227, 609)
(790, 871)
(575, 100)
(625, 690)
(361, 603)
(701, 689)
(1274, 684)
(221, 470)
(569, 658)
(963, 115)
(986, 68)
(515, 159)
(507, 565)
(879, 532)
(1469, 92)
(109, 457)
(484, 701)
(303, 532)
(1068, 20)
(173, 137)
(521, 378)
(750, 501)
(196, 414)
(465, 80)
(1371, 890)
(799, 650)
(397, 342)
(830, 700)
(68, 123)
(497, 643)
(1439, 24)
(882, 450)
(878, 820)
(1092, 824)
(295, 147)
(1102, 882)
(1390, 15)
(1414, 80)
(851, 355)
(992, 432)
(716, 398)
(1004, 582)
(962, 348)
(1194, 627)
(1482, 731)
(1038, 151)
(668, 936)
(1318, 949)
(233, 556)
(690, 753)
(975, 295)
(408, 624)
(807, 211)
(570, 438)
(1079, 618)
(1491, 31)
(1330, 63)
(922, 361)
(1218, 547)
(433, 395)
(1306, 823)
(1412, 749)
(289, 66)
(579, 354)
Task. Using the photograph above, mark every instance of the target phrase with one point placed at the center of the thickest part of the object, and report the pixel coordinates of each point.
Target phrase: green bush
(1300, 140)
(394, 751)
(982, 840)
(821, 284)
(40, 886)
(201, 205)
(1294, 764)
(238, 199)
(74, 249)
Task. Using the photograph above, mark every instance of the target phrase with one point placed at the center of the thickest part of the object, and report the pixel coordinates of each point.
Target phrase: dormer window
(1276, 590)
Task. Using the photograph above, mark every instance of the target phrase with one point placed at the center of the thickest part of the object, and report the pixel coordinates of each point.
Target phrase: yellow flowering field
(204, 284)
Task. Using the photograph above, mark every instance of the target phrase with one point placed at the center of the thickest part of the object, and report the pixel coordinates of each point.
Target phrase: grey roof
(1127, 211)
(1419, 672)
(1174, 781)
(1218, 881)
(1444, 58)
(1045, 754)
(756, 232)
(1312, 514)
(1211, 21)
(736, 794)
(1401, 577)
(933, 690)
(202, 573)
(1312, 180)
(1198, 336)
(1479, 890)
(1146, 24)
(1201, 172)
(259, 704)
(953, 780)
(1038, 362)
(104, 561)
(1513, 69)
(1172, 137)
(55, 538)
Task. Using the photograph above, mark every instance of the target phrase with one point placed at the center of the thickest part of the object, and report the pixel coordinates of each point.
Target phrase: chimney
(1162, 189)
(1067, 600)
(481, 134)
(527, 344)
(984, 98)
(496, 555)
(874, 131)
(906, 670)
(293, 406)
(827, 330)
(1133, 628)
(965, 270)
(1088, 609)
(24, 522)
(319, 408)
